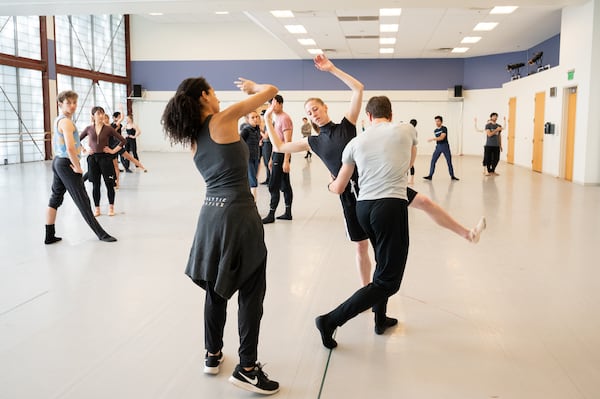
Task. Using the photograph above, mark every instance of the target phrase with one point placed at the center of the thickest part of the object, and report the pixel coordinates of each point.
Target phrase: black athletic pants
(279, 181)
(101, 165)
(65, 180)
(386, 223)
(250, 310)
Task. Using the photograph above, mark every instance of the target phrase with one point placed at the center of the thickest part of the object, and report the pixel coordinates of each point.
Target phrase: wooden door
(512, 115)
(538, 131)
(570, 139)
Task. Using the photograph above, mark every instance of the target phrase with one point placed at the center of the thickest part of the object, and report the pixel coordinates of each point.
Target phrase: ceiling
(346, 28)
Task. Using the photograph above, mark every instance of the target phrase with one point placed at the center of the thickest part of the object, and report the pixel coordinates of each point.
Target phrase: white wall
(201, 41)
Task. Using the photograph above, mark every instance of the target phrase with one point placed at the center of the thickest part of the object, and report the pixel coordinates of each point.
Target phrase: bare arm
(322, 63)
(66, 127)
(278, 144)
(223, 125)
(338, 185)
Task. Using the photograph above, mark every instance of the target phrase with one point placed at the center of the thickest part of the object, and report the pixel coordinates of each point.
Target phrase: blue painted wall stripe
(377, 74)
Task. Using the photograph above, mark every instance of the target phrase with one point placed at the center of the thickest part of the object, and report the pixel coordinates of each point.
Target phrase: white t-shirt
(382, 156)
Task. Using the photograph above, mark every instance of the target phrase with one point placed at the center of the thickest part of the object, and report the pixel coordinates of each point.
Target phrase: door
(570, 139)
(512, 117)
(538, 132)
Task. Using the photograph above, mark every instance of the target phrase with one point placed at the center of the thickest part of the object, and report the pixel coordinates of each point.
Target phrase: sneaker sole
(249, 387)
(214, 370)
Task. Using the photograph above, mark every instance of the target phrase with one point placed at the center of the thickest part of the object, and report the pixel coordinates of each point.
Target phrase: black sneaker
(212, 363)
(254, 380)
(454, 178)
(427, 177)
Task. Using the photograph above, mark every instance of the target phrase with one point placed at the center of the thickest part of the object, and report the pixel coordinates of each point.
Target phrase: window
(21, 115)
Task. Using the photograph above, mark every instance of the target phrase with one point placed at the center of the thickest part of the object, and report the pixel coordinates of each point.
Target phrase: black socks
(287, 215)
(382, 325)
(51, 238)
(326, 332)
(270, 218)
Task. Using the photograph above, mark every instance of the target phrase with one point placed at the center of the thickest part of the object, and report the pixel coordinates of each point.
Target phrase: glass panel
(21, 115)
(82, 42)
(62, 30)
(28, 34)
(7, 35)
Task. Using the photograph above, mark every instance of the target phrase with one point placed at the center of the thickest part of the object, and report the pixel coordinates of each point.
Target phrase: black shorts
(411, 194)
(353, 229)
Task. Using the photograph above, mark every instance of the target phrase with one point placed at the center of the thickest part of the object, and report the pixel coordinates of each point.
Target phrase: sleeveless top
(228, 246)
(58, 141)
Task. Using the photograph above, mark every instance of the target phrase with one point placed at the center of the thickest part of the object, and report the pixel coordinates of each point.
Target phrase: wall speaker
(137, 91)
(458, 91)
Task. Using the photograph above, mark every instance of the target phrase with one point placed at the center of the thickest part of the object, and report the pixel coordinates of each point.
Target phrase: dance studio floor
(516, 316)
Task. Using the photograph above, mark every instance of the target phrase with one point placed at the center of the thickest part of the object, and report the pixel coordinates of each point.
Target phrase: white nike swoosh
(252, 381)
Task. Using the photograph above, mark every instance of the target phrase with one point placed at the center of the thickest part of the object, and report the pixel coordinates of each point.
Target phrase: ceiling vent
(358, 19)
(364, 37)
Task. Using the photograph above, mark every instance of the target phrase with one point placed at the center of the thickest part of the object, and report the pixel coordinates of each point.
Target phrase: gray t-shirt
(493, 141)
(382, 156)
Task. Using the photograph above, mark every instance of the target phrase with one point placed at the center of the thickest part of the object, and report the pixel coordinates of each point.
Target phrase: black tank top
(224, 167)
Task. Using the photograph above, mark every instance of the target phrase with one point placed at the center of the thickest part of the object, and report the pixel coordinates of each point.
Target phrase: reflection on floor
(515, 316)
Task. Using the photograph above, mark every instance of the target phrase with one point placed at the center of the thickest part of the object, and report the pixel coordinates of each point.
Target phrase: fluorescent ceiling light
(307, 42)
(386, 50)
(471, 39)
(485, 26)
(503, 10)
(295, 28)
(389, 12)
(221, 12)
(387, 40)
(156, 14)
(388, 28)
(315, 51)
(460, 49)
(282, 13)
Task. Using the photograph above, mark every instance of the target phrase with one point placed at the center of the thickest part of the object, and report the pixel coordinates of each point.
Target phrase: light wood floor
(515, 316)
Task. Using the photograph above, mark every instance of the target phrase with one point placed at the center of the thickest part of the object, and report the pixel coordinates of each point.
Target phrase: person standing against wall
(493, 145)
(442, 147)
(306, 131)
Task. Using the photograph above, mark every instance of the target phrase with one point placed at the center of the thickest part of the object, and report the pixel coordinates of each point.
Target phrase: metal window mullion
(19, 112)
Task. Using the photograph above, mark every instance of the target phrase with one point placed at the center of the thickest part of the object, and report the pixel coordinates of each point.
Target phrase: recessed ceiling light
(503, 10)
(388, 28)
(471, 39)
(156, 14)
(315, 51)
(221, 12)
(386, 50)
(387, 40)
(485, 26)
(389, 12)
(307, 42)
(295, 28)
(460, 49)
(282, 14)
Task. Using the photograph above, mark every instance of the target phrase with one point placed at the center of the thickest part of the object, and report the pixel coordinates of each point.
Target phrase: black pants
(267, 150)
(279, 181)
(386, 223)
(491, 157)
(131, 147)
(101, 165)
(250, 311)
(65, 180)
